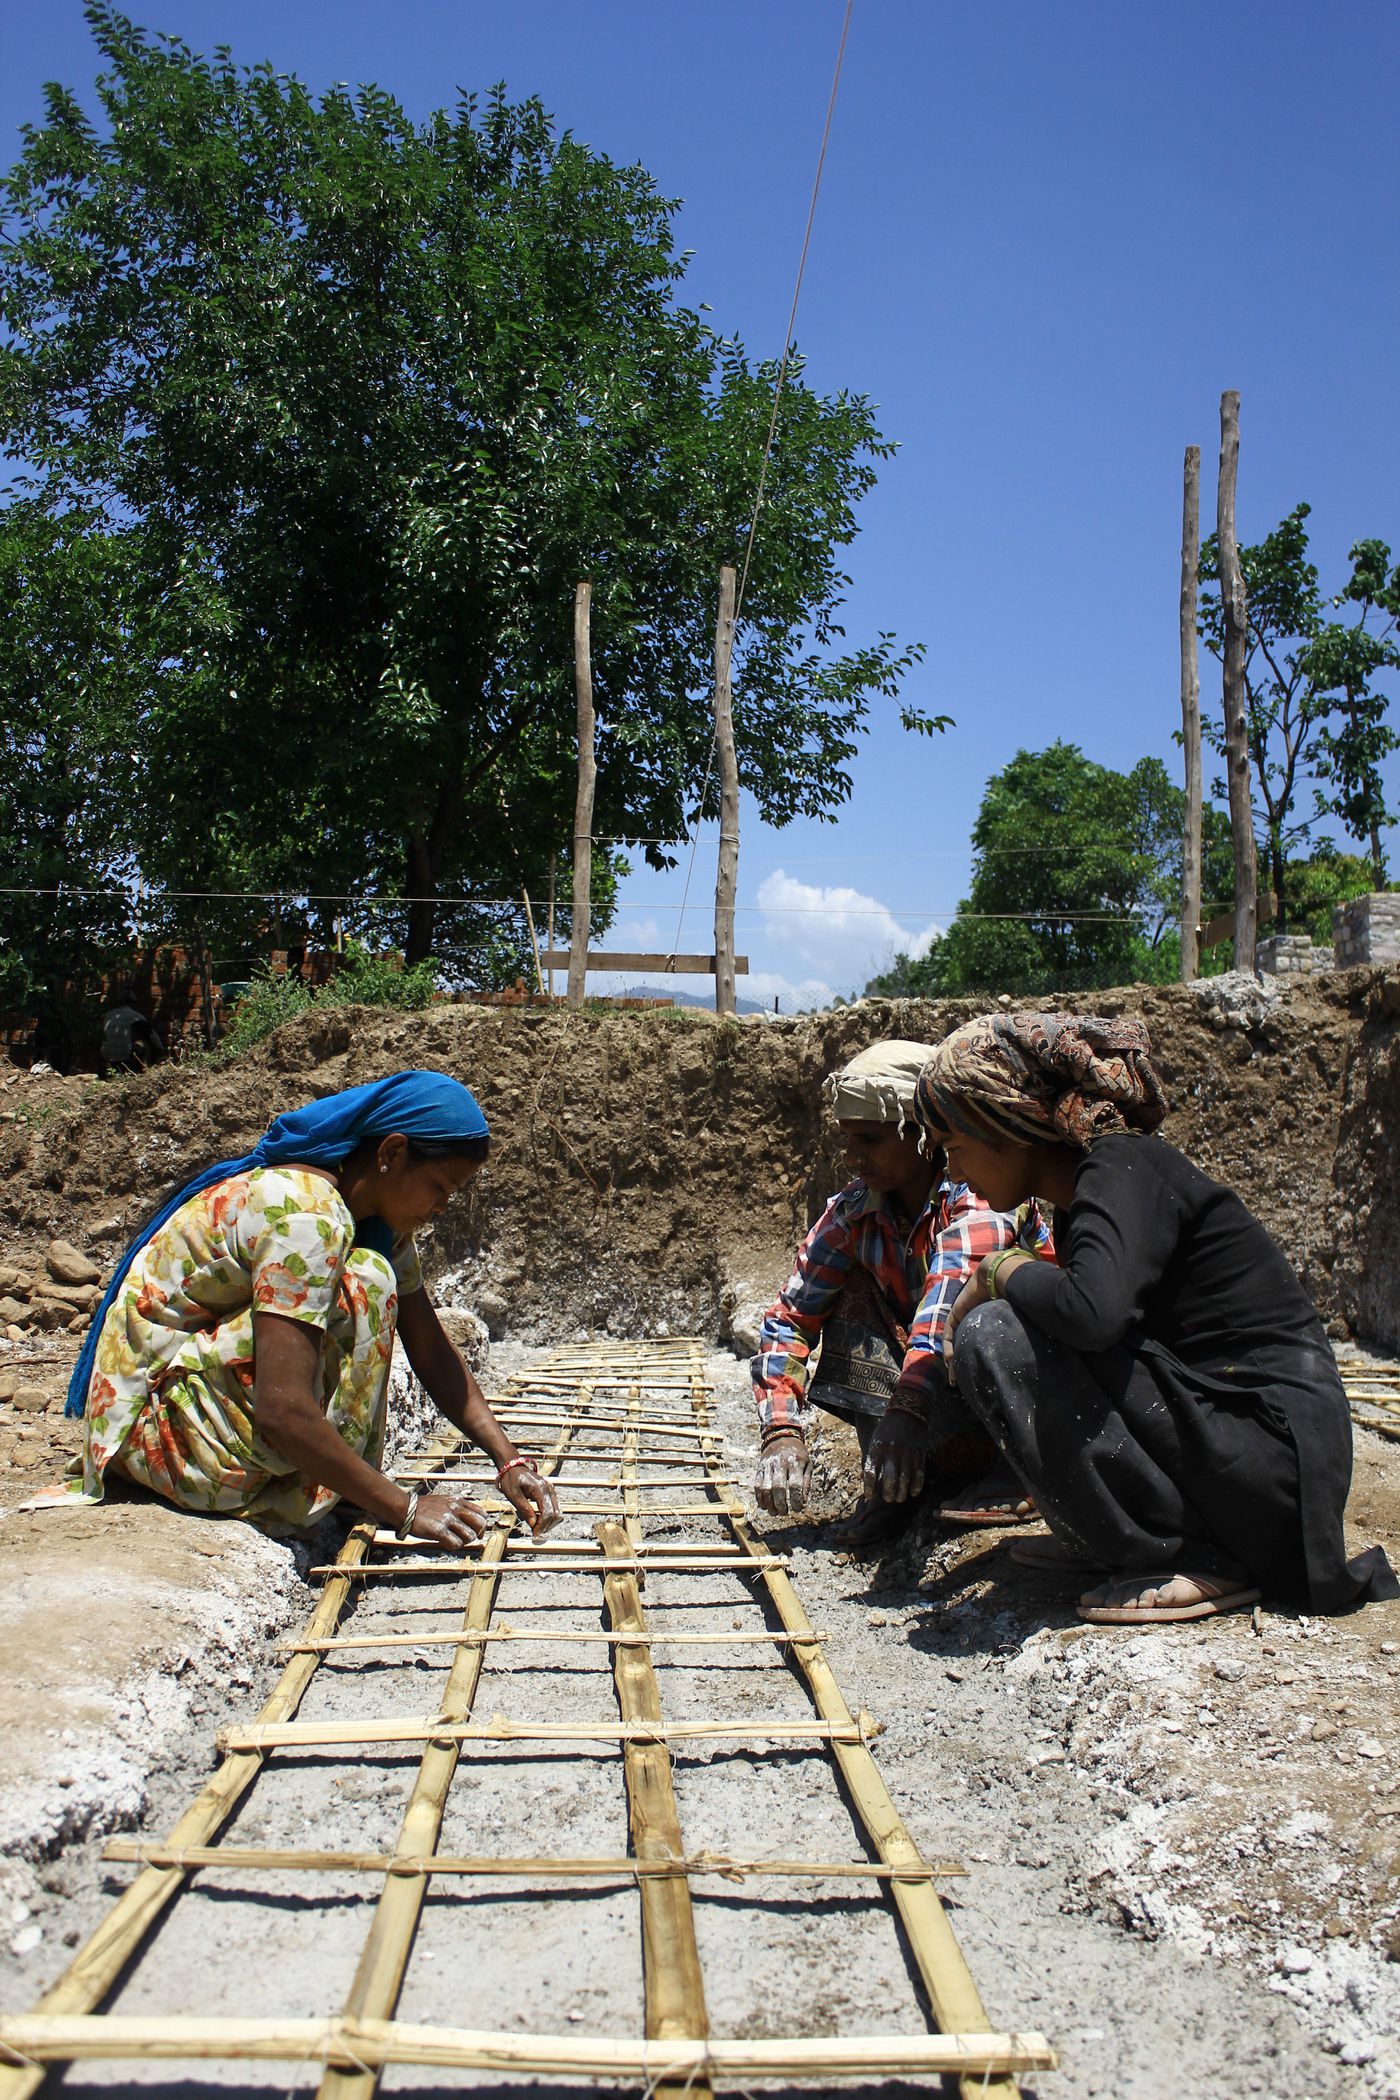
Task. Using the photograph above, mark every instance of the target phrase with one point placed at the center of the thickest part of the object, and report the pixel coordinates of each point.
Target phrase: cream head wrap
(879, 1085)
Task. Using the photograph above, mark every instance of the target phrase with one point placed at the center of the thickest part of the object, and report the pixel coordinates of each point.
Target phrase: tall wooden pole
(549, 936)
(583, 805)
(1236, 611)
(727, 876)
(1191, 715)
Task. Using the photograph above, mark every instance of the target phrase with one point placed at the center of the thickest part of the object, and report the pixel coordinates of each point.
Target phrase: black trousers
(1140, 1478)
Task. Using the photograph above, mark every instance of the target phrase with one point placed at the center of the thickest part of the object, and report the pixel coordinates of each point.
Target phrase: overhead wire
(769, 441)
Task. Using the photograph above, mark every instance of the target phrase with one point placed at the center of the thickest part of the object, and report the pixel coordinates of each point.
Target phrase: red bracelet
(510, 1466)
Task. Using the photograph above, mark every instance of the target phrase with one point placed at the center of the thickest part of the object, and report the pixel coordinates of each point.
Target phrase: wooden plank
(259, 1859)
(624, 959)
(673, 1986)
(193, 2038)
(420, 1728)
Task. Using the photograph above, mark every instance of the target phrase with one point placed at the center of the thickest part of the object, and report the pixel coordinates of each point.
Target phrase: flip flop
(1219, 1597)
(1051, 1554)
(997, 1499)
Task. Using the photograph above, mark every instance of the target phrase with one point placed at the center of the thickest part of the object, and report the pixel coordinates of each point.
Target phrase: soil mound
(654, 1169)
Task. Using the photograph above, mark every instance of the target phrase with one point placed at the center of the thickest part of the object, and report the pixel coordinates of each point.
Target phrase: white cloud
(792, 995)
(843, 936)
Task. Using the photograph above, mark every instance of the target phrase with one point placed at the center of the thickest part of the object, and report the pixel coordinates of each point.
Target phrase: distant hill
(671, 990)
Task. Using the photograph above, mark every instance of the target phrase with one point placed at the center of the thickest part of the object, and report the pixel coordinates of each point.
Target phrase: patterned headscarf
(1058, 1079)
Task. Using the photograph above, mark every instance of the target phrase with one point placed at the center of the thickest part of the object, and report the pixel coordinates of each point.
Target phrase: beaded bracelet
(510, 1466)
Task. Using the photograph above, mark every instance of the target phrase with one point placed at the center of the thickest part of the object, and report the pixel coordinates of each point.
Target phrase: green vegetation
(362, 980)
(1313, 706)
(1076, 882)
(322, 415)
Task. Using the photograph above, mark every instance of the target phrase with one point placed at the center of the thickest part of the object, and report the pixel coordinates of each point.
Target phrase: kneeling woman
(239, 1363)
(1167, 1393)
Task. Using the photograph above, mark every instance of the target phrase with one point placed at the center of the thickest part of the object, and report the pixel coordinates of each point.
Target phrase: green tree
(1313, 708)
(1076, 882)
(1344, 659)
(66, 784)
(367, 399)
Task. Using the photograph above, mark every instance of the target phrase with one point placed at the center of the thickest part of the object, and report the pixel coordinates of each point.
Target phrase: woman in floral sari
(239, 1363)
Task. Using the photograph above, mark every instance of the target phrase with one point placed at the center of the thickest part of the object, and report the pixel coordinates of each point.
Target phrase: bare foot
(1140, 1600)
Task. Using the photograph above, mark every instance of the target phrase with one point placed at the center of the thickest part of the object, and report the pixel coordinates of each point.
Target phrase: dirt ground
(1183, 1844)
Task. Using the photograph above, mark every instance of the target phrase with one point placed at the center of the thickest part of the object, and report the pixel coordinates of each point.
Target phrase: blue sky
(1048, 236)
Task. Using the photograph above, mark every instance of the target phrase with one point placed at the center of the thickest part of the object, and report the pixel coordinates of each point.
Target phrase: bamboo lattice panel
(1374, 1393)
(412, 1661)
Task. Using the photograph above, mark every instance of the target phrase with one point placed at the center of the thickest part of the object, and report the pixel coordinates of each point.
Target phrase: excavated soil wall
(1367, 1220)
(654, 1169)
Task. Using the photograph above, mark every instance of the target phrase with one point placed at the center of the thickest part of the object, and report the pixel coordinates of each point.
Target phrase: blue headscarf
(425, 1106)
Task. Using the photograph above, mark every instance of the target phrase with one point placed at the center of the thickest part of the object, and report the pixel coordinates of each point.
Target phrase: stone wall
(1367, 930)
(1291, 955)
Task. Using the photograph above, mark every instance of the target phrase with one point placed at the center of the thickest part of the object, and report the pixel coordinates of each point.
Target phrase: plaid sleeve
(970, 1231)
(792, 1325)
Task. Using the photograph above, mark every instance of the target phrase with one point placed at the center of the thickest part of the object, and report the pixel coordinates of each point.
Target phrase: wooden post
(549, 937)
(583, 806)
(1191, 715)
(534, 943)
(1236, 611)
(727, 876)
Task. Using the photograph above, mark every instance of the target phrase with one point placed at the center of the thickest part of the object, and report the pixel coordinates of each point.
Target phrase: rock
(1323, 1729)
(79, 1297)
(9, 1379)
(68, 1264)
(466, 1333)
(1230, 1669)
(49, 1313)
(8, 1278)
(11, 1311)
(30, 1399)
(27, 1939)
(1364, 2050)
(1293, 1961)
(1368, 1746)
(744, 1326)
(492, 1308)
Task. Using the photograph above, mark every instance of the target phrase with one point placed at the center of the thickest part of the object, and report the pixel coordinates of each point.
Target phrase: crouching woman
(239, 1363)
(1167, 1393)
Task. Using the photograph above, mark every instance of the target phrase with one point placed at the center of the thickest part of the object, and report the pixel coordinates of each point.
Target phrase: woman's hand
(978, 1291)
(894, 1464)
(533, 1496)
(450, 1521)
(784, 1477)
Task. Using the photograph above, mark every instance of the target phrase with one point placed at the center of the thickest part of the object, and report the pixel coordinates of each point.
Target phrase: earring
(382, 1168)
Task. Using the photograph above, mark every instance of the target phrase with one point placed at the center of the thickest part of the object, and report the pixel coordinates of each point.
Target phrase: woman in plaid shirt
(873, 1283)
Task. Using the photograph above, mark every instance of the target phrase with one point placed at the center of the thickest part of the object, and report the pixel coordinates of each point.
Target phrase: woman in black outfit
(1166, 1392)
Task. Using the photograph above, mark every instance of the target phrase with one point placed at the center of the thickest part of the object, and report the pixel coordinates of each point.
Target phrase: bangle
(995, 1265)
(510, 1466)
(409, 1514)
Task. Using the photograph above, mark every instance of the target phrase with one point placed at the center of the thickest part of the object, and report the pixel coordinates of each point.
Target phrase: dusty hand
(784, 1477)
(449, 1520)
(894, 1464)
(534, 1497)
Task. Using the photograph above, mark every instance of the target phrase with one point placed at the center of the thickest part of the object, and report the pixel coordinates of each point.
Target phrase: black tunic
(1158, 1258)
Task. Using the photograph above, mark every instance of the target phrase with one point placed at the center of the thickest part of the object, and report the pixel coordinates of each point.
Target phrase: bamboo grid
(1373, 1390)
(624, 1422)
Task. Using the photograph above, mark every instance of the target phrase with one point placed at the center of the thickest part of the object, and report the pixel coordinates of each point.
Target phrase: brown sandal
(999, 1498)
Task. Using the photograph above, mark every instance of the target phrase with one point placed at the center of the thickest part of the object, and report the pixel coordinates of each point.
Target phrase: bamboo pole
(1191, 715)
(35, 2039)
(1234, 606)
(258, 1859)
(954, 1996)
(727, 871)
(435, 1728)
(583, 803)
(534, 943)
(96, 1966)
(395, 1570)
(769, 1636)
(673, 1986)
(379, 1974)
